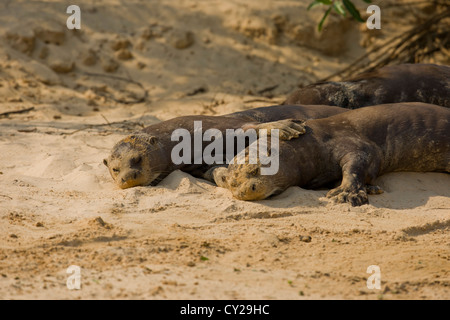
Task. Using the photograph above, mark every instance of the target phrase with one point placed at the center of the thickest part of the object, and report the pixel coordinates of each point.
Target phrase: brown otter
(145, 158)
(355, 146)
(427, 83)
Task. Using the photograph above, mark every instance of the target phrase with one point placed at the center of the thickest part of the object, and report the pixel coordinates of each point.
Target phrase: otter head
(130, 162)
(246, 182)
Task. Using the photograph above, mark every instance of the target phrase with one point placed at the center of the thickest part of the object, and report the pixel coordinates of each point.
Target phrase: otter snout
(128, 179)
(250, 191)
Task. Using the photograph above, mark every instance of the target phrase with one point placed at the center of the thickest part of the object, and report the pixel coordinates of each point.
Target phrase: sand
(137, 64)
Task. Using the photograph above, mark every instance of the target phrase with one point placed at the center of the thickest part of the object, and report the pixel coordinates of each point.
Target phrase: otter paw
(212, 172)
(219, 176)
(356, 197)
(288, 129)
(208, 175)
(372, 190)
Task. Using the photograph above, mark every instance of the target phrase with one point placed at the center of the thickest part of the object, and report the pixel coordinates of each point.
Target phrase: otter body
(357, 147)
(426, 83)
(144, 158)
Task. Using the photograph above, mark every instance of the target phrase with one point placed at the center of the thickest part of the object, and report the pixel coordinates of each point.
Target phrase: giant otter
(427, 83)
(355, 146)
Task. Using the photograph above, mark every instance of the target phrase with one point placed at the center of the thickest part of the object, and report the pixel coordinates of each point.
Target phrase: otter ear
(255, 171)
(105, 162)
(153, 140)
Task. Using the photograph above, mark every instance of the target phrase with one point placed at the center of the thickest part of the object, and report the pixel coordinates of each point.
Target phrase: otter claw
(343, 195)
(372, 190)
(288, 129)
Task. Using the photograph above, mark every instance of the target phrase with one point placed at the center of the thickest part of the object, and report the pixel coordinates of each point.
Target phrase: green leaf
(313, 4)
(367, 1)
(339, 8)
(317, 2)
(353, 11)
(323, 18)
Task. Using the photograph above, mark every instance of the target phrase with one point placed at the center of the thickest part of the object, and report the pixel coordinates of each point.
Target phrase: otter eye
(116, 170)
(253, 187)
(136, 161)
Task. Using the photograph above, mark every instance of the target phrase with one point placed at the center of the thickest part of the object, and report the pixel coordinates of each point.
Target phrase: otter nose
(132, 175)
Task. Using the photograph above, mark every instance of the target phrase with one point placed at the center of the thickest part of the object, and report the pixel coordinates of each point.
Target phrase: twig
(143, 99)
(435, 2)
(91, 126)
(106, 119)
(261, 100)
(401, 47)
(110, 96)
(267, 89)
(112, 77)
(196, 91)
(6, 114)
